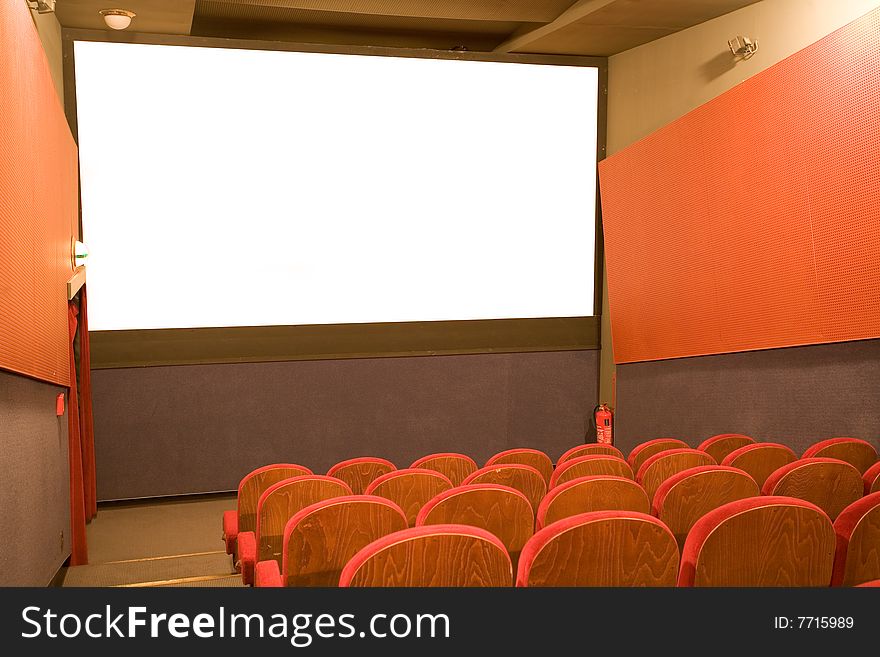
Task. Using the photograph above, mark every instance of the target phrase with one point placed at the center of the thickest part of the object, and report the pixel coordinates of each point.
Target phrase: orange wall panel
(38, 205)
(753, 221)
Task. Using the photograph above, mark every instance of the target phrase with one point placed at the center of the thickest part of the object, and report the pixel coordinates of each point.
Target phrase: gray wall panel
(34, 488)
(197, 428)
(795, 396)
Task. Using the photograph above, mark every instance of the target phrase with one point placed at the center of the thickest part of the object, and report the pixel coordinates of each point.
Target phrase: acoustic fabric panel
(38, 205)
(203, 427)
(753, 221)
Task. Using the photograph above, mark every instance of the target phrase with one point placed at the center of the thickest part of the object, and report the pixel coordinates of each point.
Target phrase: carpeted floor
(172, 542)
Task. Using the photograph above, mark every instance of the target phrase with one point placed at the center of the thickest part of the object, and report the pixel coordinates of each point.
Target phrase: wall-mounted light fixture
(42, 6)
(742, 47)
(117, 19)
(79, 252)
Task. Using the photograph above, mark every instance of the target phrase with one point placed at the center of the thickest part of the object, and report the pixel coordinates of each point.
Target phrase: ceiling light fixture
(42, 6)
(117, 19)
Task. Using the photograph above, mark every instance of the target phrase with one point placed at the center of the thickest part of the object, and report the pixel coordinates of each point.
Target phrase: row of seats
(361, 540)
(587, 477)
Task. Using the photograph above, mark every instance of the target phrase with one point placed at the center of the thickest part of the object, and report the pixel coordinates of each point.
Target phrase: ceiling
(574, 27)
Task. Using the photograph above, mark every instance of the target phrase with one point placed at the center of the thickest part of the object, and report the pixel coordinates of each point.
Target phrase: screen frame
(186, 346)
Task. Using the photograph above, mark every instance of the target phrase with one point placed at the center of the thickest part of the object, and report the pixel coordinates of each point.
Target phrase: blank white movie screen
(226, 187)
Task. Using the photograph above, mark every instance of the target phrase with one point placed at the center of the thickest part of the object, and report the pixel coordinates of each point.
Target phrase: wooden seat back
(524, 456)
(523, 478)
(687, 496)
(433, 555)
(360, 472)
(255, 483)
(642, 452)
(409, 489)
(589, 448)
(723, 444)
(760, 541)
(760, 459)
(500, 510)
(602, 548)
(281, 501)
(589, 466)
(592, 493)
(830, 484)
(321, 538)
(456, 467)
(658, 468)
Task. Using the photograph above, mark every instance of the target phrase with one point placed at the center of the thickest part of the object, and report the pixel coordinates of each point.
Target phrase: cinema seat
(760, 459)
(589, 448)
(641, 453)
(723, 444)
(321, 538)
(860, 453)
(524, 456)
(857, 557)
(277, 505)
(602, 548)
(871, 479)
(433, 555)
(760, 541)
(830, 484)
(593, 493)
(523, 478)
(455, 466)
(500, 510)
(409, 489)
(359, 472)
(687, 496)
(244, 519)
(588, 466)
(659, 467)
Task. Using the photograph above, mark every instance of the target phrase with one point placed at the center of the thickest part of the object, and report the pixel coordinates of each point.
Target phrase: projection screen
(225, 187)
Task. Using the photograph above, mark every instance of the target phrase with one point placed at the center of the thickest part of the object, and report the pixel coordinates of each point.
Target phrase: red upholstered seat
(500, 510)
(687, 496)
(432, 555)
(857, 557)
(859, 453)
(588, 466)
(524, 478)
(592, 493)
(589, 448)
(250, 488)
(830, 484)
(359, 472)
(872, 584)
(640, 453)
(760, 541)
(410, 489)
(871, 479)
(525, 456)
(455, 466)
(723, 444)
(760, 459)
(602, 548)
(277, 505)
(658, 468)
(321, 538)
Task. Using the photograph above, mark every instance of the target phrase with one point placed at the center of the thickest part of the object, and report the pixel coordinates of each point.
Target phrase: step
(154, 571)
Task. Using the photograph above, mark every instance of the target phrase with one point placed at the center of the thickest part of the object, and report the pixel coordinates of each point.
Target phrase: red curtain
(79, 553)
(87, 431)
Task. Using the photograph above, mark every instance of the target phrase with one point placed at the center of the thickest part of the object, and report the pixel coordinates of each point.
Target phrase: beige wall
(658, 82)
(49, 30)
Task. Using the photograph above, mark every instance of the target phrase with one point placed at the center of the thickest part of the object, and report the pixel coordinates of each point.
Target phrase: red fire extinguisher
(604, 419)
